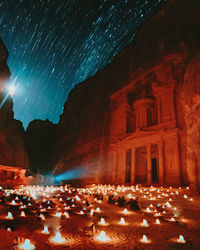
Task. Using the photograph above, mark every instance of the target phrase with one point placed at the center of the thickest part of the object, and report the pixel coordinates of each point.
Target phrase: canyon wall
(12, 135)
(84, 127)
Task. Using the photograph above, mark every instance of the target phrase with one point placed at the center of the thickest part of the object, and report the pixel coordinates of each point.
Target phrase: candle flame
(102, 237)
(181, 239)
(102, 222)
(144, 223)
(27, 245)
(58, 239)
(9, 216)
(22, 213)
(122, 221)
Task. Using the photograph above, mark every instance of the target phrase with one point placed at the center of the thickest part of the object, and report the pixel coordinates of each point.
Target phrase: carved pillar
(161, 163)
(149, 167)
(111, 166)
(133, 150)
(115, 166)
(177, 160)
(121, 166)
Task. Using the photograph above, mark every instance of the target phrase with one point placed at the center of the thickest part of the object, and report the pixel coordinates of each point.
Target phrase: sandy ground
(76, 229)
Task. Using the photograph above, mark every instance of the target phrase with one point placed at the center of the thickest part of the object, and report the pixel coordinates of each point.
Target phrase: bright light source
(11, 90)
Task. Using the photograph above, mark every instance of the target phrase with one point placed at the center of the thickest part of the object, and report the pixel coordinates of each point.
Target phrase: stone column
(121, 169)
(133, 150)
(149, 168)
(111, 167)
(161, 166)
(117, 165)
(177, 160)
(123, 166)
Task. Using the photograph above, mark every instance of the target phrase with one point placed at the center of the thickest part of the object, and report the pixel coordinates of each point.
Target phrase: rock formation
(191, 103)
(12, 151)
(172, 33)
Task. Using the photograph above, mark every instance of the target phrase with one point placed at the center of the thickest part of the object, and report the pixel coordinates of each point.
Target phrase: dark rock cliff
(12, 135)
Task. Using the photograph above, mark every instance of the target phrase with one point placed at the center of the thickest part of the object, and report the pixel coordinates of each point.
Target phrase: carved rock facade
(131, 122)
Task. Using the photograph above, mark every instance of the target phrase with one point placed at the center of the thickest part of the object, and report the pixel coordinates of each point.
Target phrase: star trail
(55, 44)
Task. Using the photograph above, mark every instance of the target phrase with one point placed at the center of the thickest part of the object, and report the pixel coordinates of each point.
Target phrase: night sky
(55, 44)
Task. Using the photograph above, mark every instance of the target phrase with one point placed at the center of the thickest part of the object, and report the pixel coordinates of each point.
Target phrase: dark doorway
(128, 166)
(154, 170)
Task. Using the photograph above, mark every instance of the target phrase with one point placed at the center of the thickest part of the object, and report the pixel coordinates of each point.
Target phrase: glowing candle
(98, 210)
(144, 239)
(92, 212)
(45, 230)
(58, 239)
(168, 204)
(148, 210)
(102, 222)
(125, 211)
(181, 239)
(58, 214)
(66, 214)
(144, 223)
(13, 202)
(42, 216)
(22, 214)
(27, 245)
(102, 237)
(9, 216)
(122, 221)
(157, 221)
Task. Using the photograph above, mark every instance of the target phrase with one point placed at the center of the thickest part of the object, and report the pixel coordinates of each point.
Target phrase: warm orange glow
(27, 245)
(144, 223)
(102, 237)
(102, 222)
(9, 216)
(181, 239)
(122, 221)
(144, 239)
(58, 239)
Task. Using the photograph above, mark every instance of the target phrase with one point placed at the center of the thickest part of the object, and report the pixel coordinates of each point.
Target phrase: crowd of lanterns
(38, 201)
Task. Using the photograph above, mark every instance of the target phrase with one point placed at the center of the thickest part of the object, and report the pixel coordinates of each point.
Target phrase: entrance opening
(154, 170)
(128, 166)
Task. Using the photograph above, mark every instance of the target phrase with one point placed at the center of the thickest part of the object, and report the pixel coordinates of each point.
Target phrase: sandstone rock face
(12, 150)
(191, 103)
(170, 38)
